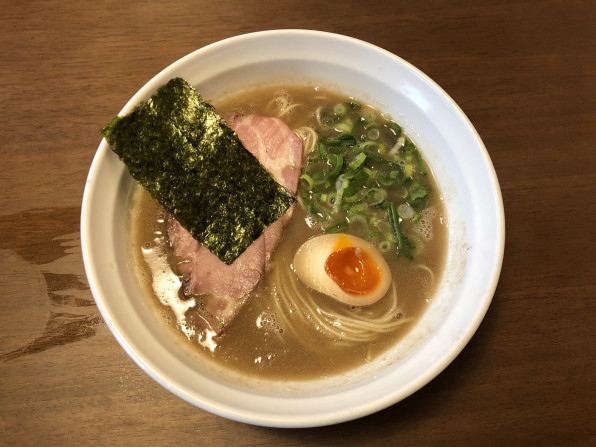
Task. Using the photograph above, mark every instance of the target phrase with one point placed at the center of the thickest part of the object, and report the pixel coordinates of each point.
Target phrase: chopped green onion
(373, 133)
(322, 151)
(338, 227)
(385, 183)
(394, 221)
(351, 212)
(357, 162)
(418, 191)
(340, 185)
(384, 246)
(365, 177)
(308, 179)
(344, 126)
(318, 178)
(357, 182)
(405, 211)
(337, 162)
(397, 146)
(357, 125)
(373, 235)
(420, 162)
(394, 126)
(409, 170)
(339, 109)
(360, 207)
(374, 156)
(317, 211)
(404, 245)
(326, 117)
(384, 179)
(343, 140)
(330, 198)
(342, 182)
(366, 144)
(375, 196)
(356, 197)
(369, 115)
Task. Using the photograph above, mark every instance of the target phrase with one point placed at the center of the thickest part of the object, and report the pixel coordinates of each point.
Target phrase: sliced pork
(224, 288)
(275, 145)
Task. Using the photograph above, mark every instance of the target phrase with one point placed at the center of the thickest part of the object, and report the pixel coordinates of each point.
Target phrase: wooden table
(524, 73)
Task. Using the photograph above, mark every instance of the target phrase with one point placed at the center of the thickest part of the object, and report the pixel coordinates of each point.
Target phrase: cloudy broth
(269, 337)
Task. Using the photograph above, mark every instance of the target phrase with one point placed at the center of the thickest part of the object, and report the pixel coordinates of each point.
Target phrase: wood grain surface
(524, 73)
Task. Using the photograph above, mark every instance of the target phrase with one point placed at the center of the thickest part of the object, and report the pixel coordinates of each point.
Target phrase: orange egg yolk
(353, 270)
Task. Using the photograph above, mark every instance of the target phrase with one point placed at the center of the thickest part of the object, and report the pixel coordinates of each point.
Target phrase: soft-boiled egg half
(345, 267)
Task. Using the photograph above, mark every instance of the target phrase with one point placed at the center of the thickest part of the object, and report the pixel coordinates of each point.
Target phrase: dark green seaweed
(183, 153)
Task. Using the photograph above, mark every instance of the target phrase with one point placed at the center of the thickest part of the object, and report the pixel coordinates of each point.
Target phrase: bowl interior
(461, 166)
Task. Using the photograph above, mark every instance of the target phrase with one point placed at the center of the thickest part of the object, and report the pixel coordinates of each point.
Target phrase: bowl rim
(270, 418)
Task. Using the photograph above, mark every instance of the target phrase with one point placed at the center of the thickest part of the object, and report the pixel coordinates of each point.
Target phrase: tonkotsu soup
(362, 176)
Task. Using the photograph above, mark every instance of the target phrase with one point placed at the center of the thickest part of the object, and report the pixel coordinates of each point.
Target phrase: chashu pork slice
(224, 288)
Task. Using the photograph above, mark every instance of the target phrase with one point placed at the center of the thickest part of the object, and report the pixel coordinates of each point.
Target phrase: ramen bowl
(471, 196)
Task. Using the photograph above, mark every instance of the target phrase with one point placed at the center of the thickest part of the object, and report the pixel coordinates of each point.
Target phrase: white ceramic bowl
(462, 168)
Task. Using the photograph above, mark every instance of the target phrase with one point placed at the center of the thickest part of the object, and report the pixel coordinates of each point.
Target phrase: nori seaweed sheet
(183, 153)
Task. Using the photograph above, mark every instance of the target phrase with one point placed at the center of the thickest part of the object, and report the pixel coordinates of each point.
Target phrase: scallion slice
(405, 211)
(375, 196)
(357, 162)
(343, 140)
(308, 179)
(395, 127)
(420, 161)
(337, 162)
(339, 109)
(322, 151)
(384, 246)
(337, 227)
(394, 221)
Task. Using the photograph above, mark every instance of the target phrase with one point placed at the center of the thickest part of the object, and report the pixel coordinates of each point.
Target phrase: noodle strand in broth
(354, 325)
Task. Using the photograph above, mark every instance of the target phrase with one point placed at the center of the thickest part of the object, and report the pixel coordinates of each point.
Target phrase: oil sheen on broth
(270, 337)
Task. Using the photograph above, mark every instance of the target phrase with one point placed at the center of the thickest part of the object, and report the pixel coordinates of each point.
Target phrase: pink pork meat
(225, 287)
